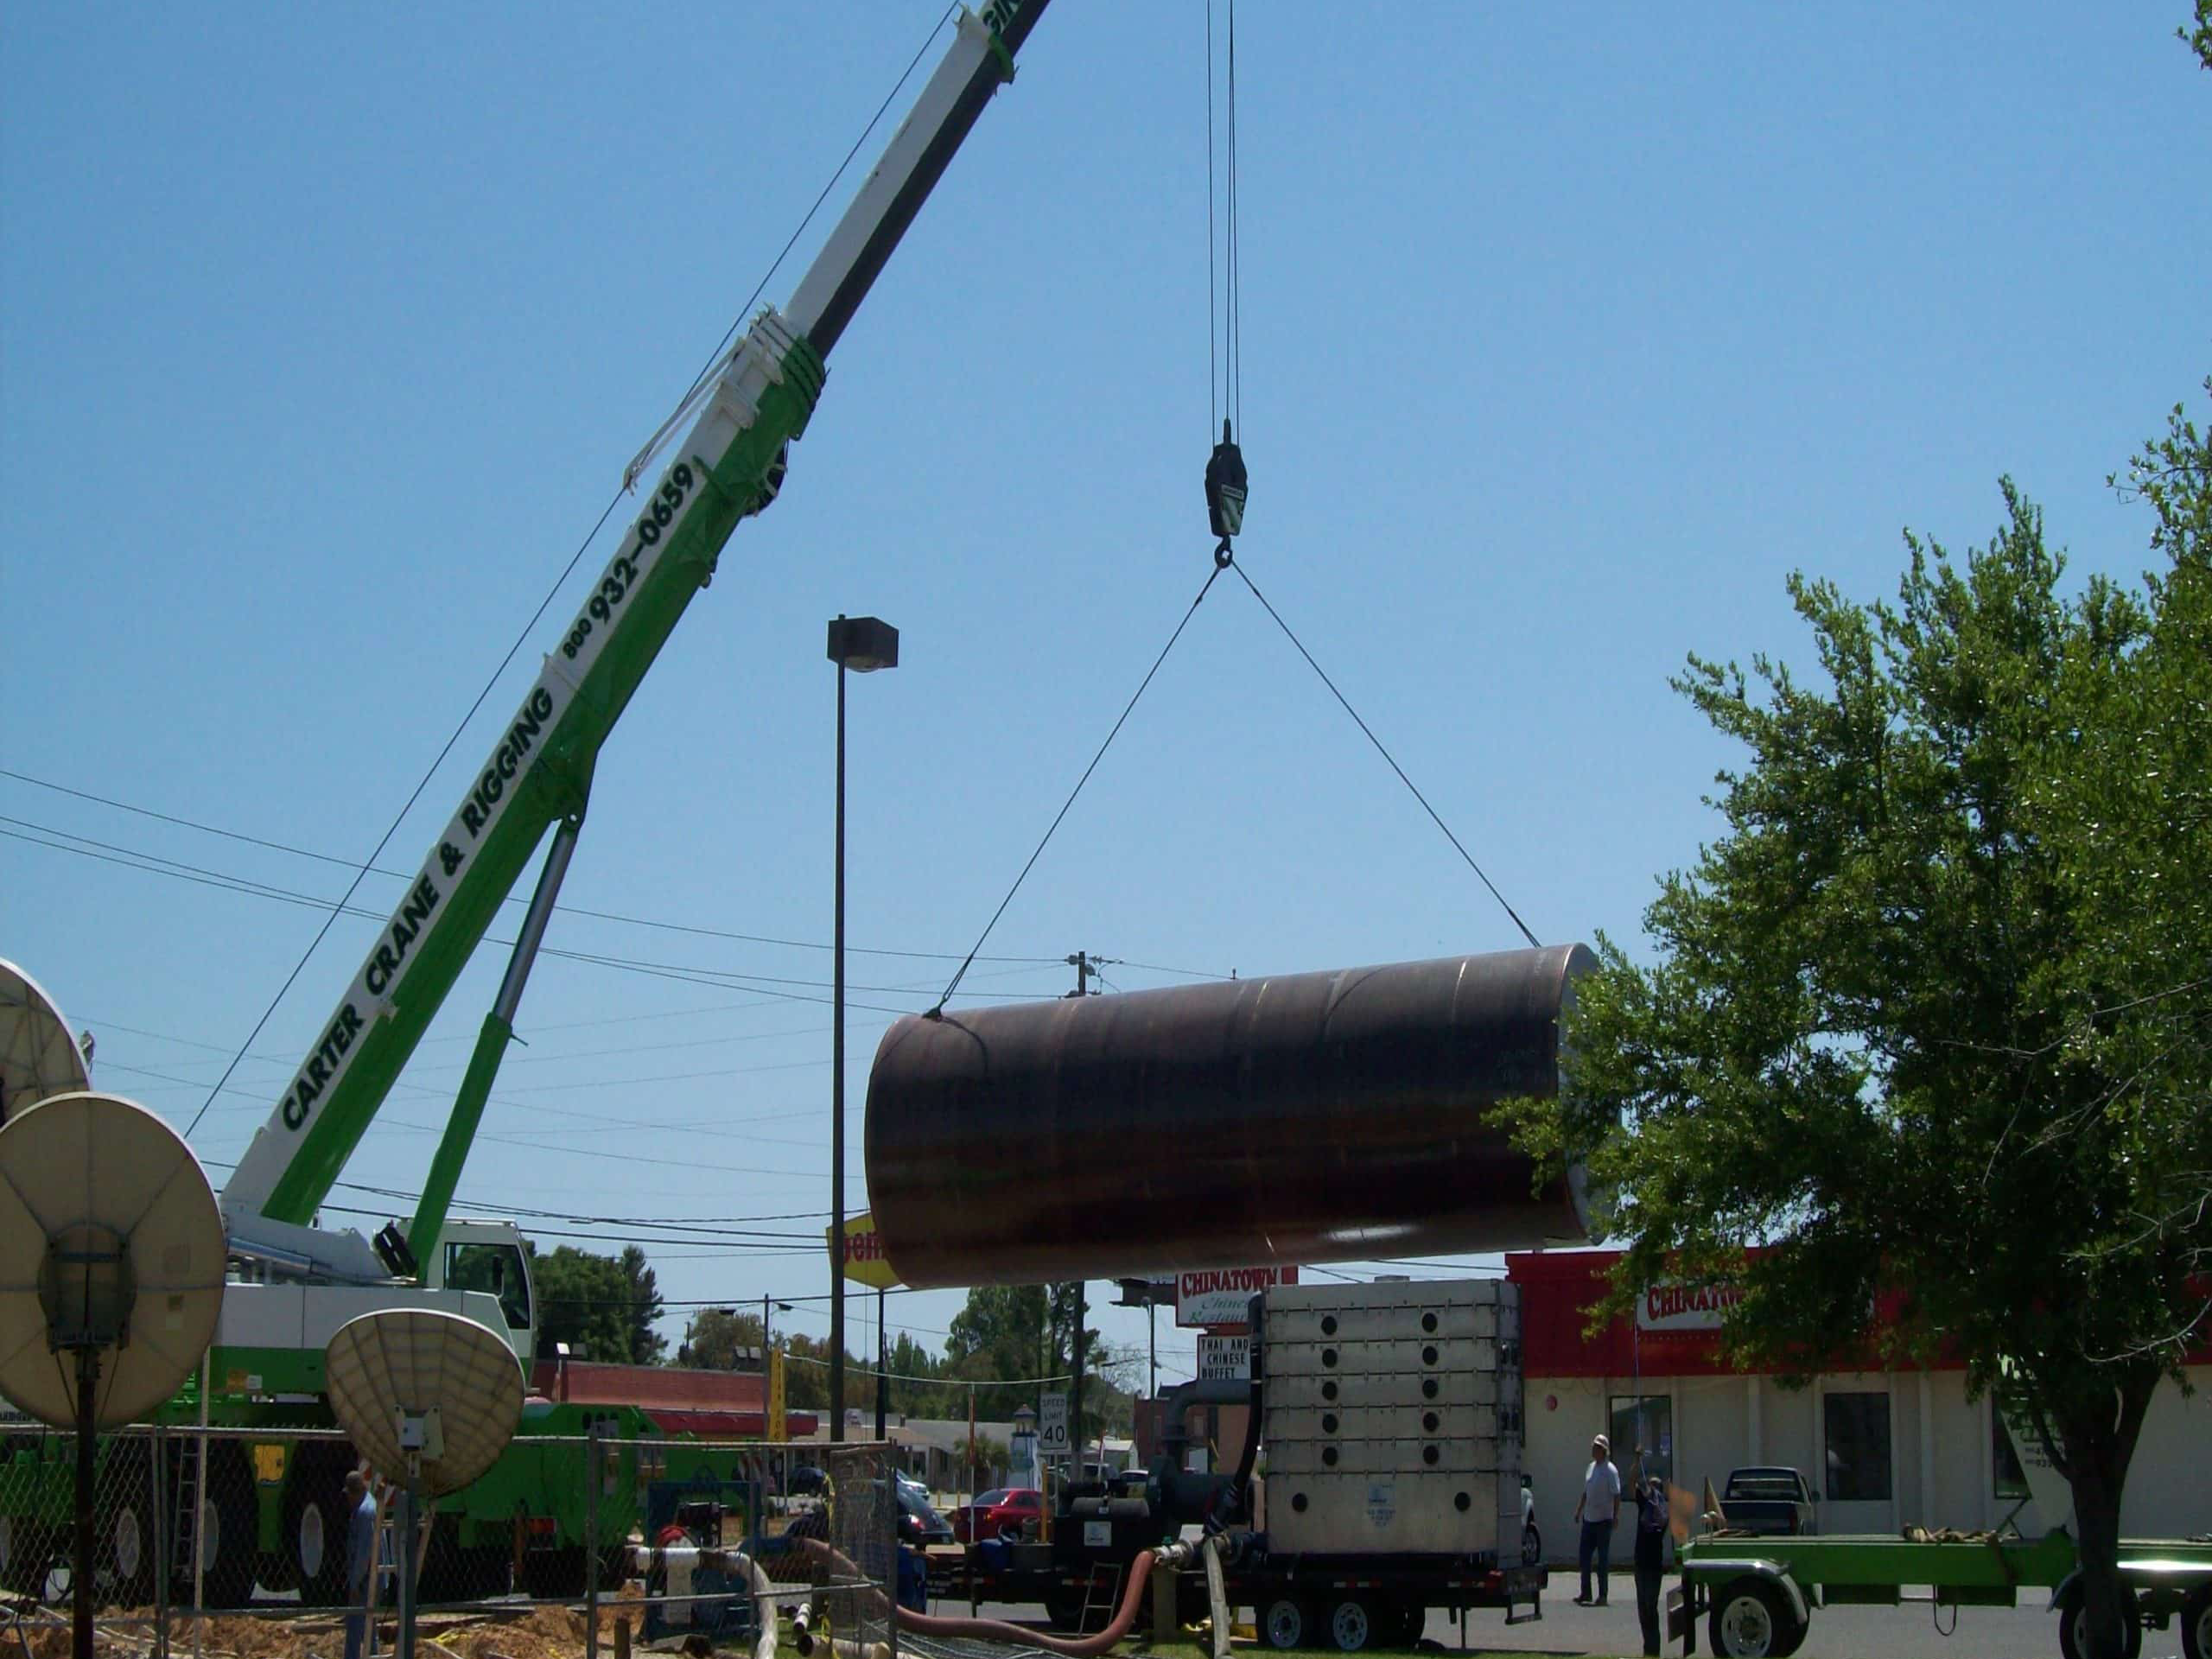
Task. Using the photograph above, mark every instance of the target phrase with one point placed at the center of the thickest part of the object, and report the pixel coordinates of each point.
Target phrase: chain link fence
(680, 1538)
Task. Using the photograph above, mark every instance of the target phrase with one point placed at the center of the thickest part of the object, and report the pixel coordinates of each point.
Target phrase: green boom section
(556, 782)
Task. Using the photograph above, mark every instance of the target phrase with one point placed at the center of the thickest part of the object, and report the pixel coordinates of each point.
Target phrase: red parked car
(993, 1514)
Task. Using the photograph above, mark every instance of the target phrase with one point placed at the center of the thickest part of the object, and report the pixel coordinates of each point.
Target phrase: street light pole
(862, 644)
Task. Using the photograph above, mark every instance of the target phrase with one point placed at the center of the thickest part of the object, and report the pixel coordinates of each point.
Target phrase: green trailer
(1757, 1594)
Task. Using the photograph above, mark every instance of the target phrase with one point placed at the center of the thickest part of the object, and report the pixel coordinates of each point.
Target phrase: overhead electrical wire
(530, 627)
(398, 876)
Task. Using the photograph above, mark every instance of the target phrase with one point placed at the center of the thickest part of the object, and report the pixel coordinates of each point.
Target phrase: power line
(398, 876)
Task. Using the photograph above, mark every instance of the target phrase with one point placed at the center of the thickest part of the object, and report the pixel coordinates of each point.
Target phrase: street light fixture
(862, 644)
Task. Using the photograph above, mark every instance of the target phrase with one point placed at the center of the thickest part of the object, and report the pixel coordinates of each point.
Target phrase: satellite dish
(111, 1254)
(38, 1057)
(431, 1399)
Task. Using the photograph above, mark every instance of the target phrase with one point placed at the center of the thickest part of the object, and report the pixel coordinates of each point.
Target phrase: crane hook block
(1225, 485)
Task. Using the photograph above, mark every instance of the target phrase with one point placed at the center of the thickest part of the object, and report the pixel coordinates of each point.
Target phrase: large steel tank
(1299, 1118)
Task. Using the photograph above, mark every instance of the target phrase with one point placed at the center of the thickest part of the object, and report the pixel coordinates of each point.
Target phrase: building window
(2011, 1480)
(1857, 1427)
(1647, 1421)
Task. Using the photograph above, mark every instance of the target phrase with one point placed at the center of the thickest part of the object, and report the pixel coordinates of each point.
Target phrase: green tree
(646, 1344)
(1000, 1333)
(1930, 1021)
(583, 1299)
(718, 1339)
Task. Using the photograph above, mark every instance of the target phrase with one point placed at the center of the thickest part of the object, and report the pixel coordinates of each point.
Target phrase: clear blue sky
(325, 333)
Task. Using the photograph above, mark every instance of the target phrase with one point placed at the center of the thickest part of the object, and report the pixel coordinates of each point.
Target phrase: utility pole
(1086, 968)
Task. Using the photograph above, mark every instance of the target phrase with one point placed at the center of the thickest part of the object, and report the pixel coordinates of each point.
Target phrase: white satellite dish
(429, 1399)
(111, 1256)
(110, 1261)
(38, 1057)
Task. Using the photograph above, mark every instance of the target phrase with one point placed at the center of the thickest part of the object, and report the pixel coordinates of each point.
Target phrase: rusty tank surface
(1297, 1118)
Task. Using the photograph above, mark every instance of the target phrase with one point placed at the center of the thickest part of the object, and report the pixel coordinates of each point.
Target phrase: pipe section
(1301, 1118)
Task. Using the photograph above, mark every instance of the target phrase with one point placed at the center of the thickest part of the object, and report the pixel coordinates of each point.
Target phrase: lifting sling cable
(530, 628)
(937, 1013)
(1245, 576)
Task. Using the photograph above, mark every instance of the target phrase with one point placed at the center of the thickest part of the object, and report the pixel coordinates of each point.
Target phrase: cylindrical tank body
(1307, 1117)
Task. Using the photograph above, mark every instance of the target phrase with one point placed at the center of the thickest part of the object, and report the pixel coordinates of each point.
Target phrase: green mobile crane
(296, 1283)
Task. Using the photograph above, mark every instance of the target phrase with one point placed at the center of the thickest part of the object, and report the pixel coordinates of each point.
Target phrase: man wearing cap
(1598, 1508)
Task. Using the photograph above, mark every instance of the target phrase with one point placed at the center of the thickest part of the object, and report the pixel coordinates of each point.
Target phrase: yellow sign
(778, 1427)
(864, 1257)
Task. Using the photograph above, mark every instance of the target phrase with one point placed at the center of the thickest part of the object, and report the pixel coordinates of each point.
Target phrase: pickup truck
(1774, 1503)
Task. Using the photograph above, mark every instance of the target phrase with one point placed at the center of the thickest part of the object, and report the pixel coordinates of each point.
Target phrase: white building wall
(1941, 1471)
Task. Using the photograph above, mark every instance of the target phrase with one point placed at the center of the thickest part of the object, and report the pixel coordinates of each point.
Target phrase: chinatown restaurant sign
(1668, 1306)
(1219, 1298)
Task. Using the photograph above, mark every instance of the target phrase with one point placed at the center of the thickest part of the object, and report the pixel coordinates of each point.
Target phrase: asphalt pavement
(2023, 1631)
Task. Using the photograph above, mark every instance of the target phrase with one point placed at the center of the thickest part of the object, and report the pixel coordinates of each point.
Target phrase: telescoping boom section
(727, 466)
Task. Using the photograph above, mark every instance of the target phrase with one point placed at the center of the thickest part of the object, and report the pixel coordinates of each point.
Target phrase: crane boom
(727, 467)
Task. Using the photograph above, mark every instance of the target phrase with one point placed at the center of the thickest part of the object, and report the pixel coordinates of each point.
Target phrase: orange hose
(1082, 1647)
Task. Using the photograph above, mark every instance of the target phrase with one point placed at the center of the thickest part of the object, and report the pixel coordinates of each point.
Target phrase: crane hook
(1226, 492)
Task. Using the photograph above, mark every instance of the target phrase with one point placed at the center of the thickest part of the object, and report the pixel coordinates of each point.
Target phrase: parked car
(917, 1522)
(1773, 1502)
(995, 1514)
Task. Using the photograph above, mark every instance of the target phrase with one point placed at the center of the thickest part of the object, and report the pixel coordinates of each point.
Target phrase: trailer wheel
(1752, 1619)
(1401, 1623)
(2074, 1637)
(1285, 1622)
(1352, 1627)
(2197, 1626)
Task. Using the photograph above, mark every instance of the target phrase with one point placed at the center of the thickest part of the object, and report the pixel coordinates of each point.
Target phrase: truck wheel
(26, 1547)
(554, 1575)
(1752, 1619)
(1352, 1626)
(229, 1550)
(1532, 1546)
(28, 1552)
(1285, 1623)
(2074, 1635)
(1402, 1623)
(123, 1528)
(2197, 1626)
(317, 1529)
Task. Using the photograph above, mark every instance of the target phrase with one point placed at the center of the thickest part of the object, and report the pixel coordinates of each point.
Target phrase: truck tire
(1400, 1623)
(1353, 1627)
(1286, 1622)
(27, 1546)
(1752, 1619)
(317, 1526)
(554, 1575)
(2197, 1626)
(1532, 1546)
(231, 1550)
(2074, 1624)
(123, 1527)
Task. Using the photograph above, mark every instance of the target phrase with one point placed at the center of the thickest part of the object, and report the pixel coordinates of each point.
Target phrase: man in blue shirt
(360, 1557)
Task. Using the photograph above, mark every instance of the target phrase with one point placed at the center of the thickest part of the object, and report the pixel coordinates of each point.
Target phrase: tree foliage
(1932, 1019)
(602, 1306)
